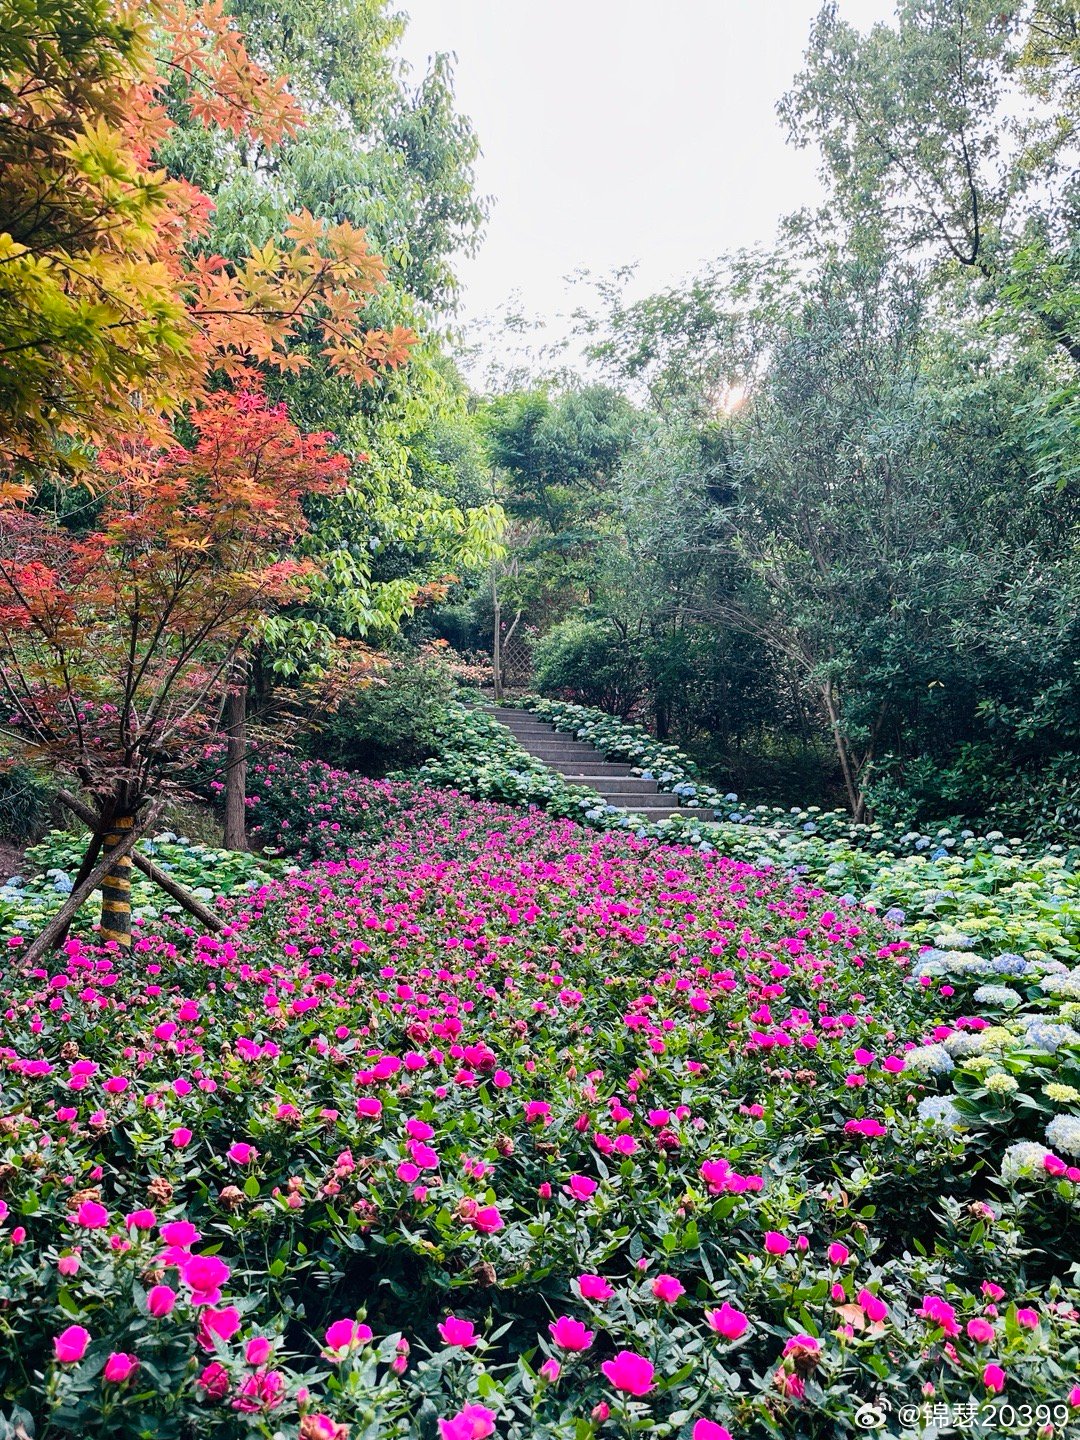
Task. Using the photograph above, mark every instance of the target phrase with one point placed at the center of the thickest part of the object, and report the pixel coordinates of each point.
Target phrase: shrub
(391, 723)
(25, 804)
(590, 662)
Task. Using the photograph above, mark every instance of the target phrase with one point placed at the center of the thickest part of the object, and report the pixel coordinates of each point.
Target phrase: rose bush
(499, 1126)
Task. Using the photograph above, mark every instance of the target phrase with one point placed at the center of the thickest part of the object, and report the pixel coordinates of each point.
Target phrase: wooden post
(496, 647)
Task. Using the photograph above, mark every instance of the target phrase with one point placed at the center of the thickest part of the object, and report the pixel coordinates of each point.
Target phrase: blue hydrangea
(940, 1110)
(1008, 964)
(1063, 1133)
(1044, 1034)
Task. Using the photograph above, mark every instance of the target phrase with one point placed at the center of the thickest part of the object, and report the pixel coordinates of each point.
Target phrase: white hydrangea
(1000, 1083)
(1063, 1134)
(962, 1043)
(1065, 986)
(1024, 1158)
(928, 1060)
(997, 995)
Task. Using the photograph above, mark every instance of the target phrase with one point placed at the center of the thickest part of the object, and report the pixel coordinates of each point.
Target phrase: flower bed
(500, 1126)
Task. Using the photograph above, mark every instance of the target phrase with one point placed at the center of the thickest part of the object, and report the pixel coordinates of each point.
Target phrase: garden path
(582, 764)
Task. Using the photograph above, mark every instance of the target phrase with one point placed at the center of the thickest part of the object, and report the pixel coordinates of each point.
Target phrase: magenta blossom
(119, 1367)
(458, 1332)
(728, 1322)
(570, 1334)
(70, 1345)
(629, 1372)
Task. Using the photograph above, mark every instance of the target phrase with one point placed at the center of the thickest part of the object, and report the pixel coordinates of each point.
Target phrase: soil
(11, 860)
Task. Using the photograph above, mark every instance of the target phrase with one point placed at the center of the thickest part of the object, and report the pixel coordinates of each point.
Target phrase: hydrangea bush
(500, 1126)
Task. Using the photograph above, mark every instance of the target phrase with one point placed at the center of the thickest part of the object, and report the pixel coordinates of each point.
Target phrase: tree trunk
(58, 926)
(116, 885)
(191, 903)
(848, 767)
(236, 761)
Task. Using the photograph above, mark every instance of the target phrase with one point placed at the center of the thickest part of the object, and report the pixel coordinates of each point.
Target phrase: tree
(112, 311)
(118, 642)
(953, 137)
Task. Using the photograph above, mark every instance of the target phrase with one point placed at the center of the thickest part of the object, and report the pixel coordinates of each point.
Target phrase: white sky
(617, 131)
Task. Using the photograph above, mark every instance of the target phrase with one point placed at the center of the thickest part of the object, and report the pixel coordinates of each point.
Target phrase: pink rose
(70, 1345)
(728, 1322)
(570, 1334)
(838, 1253)
(344, 1334)
(581, 1187)
(629, 1372)
(119, 1367)
(241, 1153)
(776, 1243)
(214, 1381)
(994, 1379)
(981, 1331)
(92, 1216)
(475, 1422)
(487, 1219)
(160, 1300)
(594, 1287)
(667, 1289)
(710, 1430)
(257, 1350)
(217, 1325)
(181, 1137)
(874, 1308)
(140, 1220)
(458, 1332)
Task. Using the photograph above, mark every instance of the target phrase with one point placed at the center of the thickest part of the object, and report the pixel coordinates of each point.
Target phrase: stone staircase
(582, 764)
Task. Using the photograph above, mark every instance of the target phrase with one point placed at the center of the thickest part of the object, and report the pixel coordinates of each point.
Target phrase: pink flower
(214, 1381)
(981, 1331)
(728, 1322)
(992, 1291)
(181, 1137)
(629, 1372)
(475, 1422)
(1074, 1397)
(551, 1370)
(217, 1325)
(92, 1216)
(874, 1308)
(119, 1367)
(594, 1287)
(570, 1334)
(838, 1253)
(710, 1430)
(68, 1264)
(140, 1220)
(160, 1300)
(581, 1187)
(776, 1243)
(458, 1332)
(204, 1276)
(873, 1129)
(241, 1153)
(179, 1232)
(939, 1312)
(342, 1335)
(368, 1108)
(994, 1379)
(1029, 1319)
(257, 1350)
(70, 1345)
(487, 1219)
(667, 1289)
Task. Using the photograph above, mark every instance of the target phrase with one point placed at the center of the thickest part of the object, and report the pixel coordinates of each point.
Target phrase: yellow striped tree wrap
(116, 887)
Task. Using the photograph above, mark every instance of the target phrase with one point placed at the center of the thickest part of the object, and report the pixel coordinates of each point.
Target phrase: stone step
(574, 770)
(605, 781)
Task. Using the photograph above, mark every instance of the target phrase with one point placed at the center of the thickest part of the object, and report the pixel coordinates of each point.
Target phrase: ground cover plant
(503, 1126)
